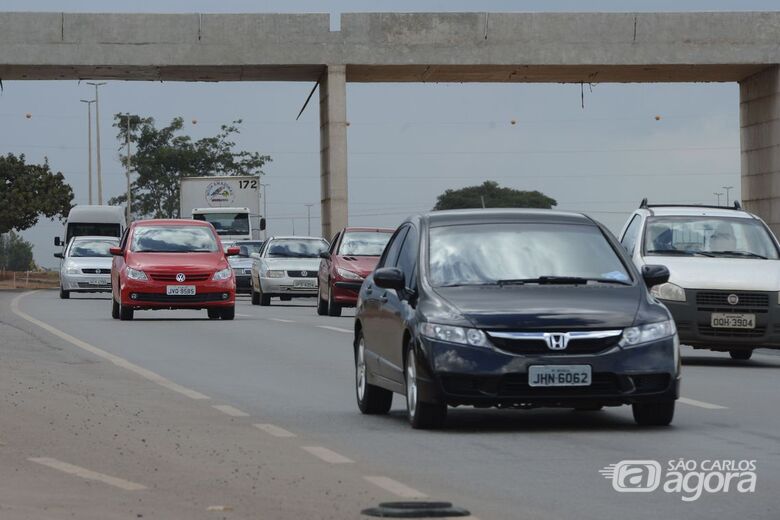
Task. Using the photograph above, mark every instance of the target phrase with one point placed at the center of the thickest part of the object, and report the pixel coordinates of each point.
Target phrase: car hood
(362, 265)
(82, 262)
(548, 307)
(730, 274)
(177, 261)
(295, 264)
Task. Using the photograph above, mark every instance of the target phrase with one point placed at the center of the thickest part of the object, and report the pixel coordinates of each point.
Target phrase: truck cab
(93, 220)
(231, 223)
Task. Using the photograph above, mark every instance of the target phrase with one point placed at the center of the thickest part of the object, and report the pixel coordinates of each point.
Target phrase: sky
(408, 143)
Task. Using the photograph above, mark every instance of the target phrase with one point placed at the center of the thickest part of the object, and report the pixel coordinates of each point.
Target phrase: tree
(163, 156)
(28, 191)
(493, 196)
(16, 254)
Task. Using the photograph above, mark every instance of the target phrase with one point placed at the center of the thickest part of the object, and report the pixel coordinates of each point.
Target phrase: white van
(724, 288)
(85, 220)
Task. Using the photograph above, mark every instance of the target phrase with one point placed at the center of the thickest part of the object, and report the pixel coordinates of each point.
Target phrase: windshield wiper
(683, 252)
(739, 253)
(560, 280)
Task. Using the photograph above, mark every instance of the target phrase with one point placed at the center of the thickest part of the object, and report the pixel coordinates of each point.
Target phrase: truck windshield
(226, 223)
(81, 229)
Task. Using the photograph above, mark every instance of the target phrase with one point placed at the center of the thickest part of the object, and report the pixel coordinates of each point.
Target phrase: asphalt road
(286, 367)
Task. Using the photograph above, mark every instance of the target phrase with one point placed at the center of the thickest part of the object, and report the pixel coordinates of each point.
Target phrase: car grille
(171, 277)
(102, 285)
(164, 298)
(575, 346)
(93, 270)
(300, 274)
(706, 330)
(717, 301)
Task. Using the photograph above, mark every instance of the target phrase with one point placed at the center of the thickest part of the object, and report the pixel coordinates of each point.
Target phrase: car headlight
(668, 291)
(461, 335)
(135, 274)
(72, 270)
(349, 275)
(634, 336)
(272, 273)
(224, 274)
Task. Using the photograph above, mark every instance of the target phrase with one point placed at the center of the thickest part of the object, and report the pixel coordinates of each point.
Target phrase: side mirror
(232, 251)
(59, 255)
(262, 224)
(325, 255)
(57, 241)
(116, 251)
(390, 278)
(655, 275)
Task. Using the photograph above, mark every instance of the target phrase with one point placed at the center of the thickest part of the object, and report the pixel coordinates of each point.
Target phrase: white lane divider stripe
(337, 329)
(281, 320)
(118, 361)
(395, 487)
(87, 474)
(274, 430)
(701, 404)
(230, 410)
(327, 455)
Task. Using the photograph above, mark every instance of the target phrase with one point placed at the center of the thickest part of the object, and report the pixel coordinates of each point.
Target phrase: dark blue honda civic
(513, 309)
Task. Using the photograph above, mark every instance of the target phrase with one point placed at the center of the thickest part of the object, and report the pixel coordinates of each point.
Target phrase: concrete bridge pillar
(333, 149)
(759, 121)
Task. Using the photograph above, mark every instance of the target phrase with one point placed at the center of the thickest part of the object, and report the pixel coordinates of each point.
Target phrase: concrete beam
(333, 150)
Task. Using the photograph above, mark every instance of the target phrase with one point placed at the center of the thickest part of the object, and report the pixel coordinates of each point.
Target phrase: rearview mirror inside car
(655, 274)
(116, 251)
(390, 278)
(232, 251)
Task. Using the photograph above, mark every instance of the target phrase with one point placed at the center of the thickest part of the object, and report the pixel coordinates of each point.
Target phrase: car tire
(263, 299)
(654, 414)
(64, 295)
(214, 314)
(421, 415)
(114, 309)
(322, 304)
(334, 309)
(741, 355)
(255, 296)
(372, 400)
(228, 313)
(125, 313)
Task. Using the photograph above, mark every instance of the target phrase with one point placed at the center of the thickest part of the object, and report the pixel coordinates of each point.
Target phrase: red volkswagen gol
(172, 264)
(353, 255)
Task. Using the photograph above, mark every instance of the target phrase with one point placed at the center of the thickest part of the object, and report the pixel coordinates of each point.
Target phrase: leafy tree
(162, 156)
(16, 254)
(494, 197)
(28, 191)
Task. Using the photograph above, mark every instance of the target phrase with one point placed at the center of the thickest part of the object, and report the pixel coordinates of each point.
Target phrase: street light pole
(308, 219)
(97, 141)
(717, 195)
(728, 189)
(129, 193)
(89, 144)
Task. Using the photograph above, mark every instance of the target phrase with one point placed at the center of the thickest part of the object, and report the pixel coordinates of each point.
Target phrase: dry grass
(29, 280)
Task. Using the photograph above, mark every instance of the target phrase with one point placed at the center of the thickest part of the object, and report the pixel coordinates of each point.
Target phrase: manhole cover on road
(416, 510)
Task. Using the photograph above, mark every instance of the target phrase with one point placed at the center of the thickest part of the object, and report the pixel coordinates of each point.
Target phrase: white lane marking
(274, 430)
(701, 404)
(282, 320)
(337, 329)
(219, 508)
(230, 410)
(327, 455)
(243, 316)
(395, 487)
(118, 361)
(87, 474)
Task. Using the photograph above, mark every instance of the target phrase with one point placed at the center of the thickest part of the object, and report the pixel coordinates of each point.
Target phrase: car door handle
(369, 289)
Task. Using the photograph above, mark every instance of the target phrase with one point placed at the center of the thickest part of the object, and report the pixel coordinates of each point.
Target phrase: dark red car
(172, 264)
(353, 255)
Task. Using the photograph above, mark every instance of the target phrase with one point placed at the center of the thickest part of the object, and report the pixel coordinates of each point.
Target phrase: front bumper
(152, 295)
(693, 320)
(287, 286)
(346, 293)
(484, 376)
(86, 282)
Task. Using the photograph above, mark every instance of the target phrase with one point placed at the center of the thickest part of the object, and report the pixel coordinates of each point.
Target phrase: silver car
(286, 267)
(86, 265)
(242, 262)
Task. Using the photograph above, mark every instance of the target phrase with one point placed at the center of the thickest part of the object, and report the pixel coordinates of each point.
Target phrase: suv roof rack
(645, 205)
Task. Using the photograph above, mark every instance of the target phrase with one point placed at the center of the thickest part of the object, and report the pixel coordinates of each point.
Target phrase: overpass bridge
(421, 47)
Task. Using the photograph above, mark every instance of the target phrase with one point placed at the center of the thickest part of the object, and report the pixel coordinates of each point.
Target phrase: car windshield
(92, 248)
(522, 253)
(296, 248)
(363, 243)
(173, 239)
(708, 237)
(231, 223)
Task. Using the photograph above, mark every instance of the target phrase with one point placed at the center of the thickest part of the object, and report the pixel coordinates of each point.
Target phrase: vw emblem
(733, 299)
(98, 271)
(556, 341)
(304, 273)
(180, 277)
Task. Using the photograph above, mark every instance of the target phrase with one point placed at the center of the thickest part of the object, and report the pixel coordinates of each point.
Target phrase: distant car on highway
(724, 265)
(353, 254)
(172, 264)
(286, 267)
(512, 309)
(86, 265)
(242, 262)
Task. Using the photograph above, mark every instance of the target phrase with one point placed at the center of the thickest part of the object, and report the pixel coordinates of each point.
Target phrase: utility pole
(293, 224)
(728, 189)
(308, 218)
(89, 144)
(129, 193)
(717, 195)
(265, 210)
(97, 141)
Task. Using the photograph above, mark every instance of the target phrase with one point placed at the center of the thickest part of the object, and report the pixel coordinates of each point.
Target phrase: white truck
(230, 203)
(86, 220)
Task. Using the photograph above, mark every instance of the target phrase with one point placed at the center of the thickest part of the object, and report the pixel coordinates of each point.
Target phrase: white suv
(724, 288)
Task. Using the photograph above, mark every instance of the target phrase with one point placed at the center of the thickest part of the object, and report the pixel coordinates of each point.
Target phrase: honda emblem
(556, 340)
